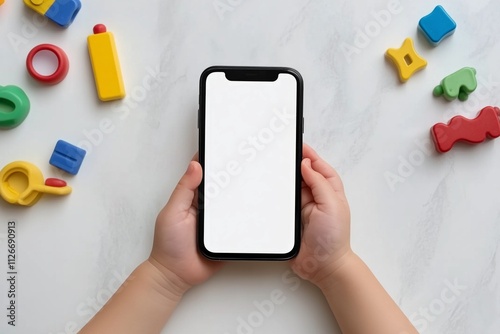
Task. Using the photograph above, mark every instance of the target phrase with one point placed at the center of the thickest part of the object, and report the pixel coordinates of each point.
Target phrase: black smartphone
(250, 147)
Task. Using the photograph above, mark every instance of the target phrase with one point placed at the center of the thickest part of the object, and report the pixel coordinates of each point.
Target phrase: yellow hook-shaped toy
(22, 183)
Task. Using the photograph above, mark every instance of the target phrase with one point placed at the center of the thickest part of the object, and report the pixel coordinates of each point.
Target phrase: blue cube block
(437, 25)
(67, 157)
(63, 12)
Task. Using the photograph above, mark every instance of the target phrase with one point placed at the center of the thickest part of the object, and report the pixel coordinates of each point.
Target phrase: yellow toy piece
(105, 64)
(1, 2)
(406, 60)
(22, 183)
(39, 6)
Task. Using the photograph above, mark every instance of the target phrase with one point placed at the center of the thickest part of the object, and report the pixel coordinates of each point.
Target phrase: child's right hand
(325, 243)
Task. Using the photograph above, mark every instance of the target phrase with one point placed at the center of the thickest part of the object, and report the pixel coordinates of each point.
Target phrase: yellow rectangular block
(105, 64)
(39, 6)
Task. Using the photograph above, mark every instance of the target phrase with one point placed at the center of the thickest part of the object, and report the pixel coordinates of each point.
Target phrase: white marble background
(438, 228)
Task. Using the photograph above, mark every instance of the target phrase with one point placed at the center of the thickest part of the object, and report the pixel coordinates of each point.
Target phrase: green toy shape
(14, 106)
(459, 84)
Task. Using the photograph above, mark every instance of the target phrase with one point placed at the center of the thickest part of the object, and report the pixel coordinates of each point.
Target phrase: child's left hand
(174, 251)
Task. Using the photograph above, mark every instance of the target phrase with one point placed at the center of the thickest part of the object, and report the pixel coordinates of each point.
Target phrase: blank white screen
(250, 156)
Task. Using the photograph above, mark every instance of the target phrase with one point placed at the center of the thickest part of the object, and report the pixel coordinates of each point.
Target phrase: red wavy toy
(473, 131)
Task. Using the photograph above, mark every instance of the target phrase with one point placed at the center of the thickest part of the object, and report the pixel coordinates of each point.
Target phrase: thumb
(184, 193)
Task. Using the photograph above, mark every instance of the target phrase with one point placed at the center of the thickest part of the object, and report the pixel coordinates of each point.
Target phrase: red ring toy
(62, 68)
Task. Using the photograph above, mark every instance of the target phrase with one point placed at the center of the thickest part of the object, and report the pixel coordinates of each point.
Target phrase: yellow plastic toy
(22, 183)
(39, 6)
(105, 64)
(1, 2)
(406, 60)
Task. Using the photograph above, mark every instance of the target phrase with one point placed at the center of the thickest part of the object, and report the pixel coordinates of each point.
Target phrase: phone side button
(303, 121)
(198, 123)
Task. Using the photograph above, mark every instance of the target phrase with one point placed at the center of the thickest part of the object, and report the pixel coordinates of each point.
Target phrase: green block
(458, 85)
(14, 106)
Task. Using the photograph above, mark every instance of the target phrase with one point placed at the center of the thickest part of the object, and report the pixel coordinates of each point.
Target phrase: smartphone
(250, 148)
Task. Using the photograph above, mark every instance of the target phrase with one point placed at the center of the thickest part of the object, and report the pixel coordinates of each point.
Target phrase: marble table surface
(427, 224)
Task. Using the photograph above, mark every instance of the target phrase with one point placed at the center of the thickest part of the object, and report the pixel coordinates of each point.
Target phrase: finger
(196, 157)
(308, 151)
(306, 197)
(184, 193)
(318, 163)
(322, 167)
(321, 190)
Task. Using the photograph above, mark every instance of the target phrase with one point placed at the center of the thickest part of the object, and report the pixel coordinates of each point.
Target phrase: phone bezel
(248, 73)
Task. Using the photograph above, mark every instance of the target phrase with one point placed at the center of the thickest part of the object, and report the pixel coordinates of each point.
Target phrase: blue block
(63, 12)
(437, 25)
(67, 157)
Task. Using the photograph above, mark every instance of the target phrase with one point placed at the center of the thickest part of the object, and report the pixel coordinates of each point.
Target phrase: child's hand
(325, 243)
(174, 250)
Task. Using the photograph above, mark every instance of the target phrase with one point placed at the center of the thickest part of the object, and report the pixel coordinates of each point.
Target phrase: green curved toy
(459, 84)
(14, 106)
